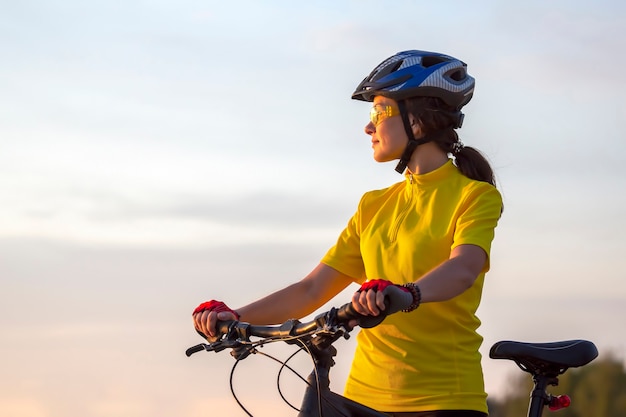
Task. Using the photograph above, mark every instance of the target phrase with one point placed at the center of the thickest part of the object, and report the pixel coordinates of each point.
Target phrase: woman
(427, 237)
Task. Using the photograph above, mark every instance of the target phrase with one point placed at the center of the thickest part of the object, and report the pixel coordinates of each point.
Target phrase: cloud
(561, 49)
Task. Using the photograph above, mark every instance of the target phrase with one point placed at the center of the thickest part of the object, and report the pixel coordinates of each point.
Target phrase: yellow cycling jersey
(427, 359)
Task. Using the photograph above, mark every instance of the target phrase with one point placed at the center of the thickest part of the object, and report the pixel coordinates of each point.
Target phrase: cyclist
(427, 238)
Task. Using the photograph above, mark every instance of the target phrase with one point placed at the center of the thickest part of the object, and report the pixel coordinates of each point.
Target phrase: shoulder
(475, 188)
(482, 197)
(372, 196)
(473, 194)
(371, 201)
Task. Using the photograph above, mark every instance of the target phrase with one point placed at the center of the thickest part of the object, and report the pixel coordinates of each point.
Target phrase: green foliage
(598, 390)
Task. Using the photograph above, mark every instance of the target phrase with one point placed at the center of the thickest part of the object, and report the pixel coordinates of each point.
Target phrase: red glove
(216, 306)
(380, 285)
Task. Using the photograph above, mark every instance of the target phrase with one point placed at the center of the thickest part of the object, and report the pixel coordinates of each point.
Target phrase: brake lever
(217, 346)
(231, 339)
(220, 345)
(196, 349)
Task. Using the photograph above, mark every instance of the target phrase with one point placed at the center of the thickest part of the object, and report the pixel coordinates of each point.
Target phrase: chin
(382, 158)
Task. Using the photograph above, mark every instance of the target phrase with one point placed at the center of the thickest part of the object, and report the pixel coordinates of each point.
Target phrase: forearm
(290, 302)
(444, 282)
(296, 300)
(454, 276)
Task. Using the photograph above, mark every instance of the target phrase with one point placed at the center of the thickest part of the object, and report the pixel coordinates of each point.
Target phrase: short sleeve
(479, 217)
(346, 256)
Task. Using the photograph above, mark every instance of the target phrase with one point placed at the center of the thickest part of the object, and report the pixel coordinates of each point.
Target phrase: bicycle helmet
(416, 73)
(419, 74)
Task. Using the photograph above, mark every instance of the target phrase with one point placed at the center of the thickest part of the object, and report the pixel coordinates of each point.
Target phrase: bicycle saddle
(545, 358)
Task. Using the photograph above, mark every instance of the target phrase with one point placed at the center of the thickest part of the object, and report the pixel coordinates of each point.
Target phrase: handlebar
(336, 321)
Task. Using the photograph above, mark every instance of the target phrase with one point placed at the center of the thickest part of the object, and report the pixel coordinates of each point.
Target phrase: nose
(370, 128)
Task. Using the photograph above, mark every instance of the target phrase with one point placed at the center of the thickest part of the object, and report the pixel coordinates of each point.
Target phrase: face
(386, 130)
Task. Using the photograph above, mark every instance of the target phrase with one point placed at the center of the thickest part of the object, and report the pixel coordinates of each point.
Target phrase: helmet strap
(413, 142)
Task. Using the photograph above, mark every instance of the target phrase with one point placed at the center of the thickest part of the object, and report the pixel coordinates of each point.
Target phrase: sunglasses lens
(374, 115)
(380, 112)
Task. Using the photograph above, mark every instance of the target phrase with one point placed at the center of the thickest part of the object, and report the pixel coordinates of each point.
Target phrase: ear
(415, 126)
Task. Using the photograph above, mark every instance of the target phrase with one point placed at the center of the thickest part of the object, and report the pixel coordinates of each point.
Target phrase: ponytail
(473, 164)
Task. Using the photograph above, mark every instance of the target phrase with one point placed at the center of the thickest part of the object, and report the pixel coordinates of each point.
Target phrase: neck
(426, 158)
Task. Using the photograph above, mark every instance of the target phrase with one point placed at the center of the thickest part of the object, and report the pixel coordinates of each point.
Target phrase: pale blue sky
(158, 154)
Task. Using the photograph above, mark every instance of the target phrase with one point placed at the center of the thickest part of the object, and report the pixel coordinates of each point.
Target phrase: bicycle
(544, 361)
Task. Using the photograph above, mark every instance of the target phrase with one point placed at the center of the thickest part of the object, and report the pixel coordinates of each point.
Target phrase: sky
(157, 154)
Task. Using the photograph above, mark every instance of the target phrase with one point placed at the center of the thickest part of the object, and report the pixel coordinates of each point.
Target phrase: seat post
(538, 396)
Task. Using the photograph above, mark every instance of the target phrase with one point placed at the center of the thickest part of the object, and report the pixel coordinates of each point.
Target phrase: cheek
(396, 137)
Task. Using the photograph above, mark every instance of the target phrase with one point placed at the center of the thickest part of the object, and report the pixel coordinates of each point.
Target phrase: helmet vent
(396, 66)
(429, 61)
(387, 70)
(458, 75)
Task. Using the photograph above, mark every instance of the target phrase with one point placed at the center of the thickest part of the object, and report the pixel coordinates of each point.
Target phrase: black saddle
(550, 359)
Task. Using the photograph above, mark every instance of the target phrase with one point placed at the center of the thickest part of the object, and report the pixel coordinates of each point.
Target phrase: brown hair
(434, 115)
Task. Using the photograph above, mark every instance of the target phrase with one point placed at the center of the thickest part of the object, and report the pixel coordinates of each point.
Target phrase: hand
(369, 300)
(206, 315)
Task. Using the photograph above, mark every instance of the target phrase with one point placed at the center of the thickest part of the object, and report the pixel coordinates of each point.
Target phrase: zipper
(393, 235)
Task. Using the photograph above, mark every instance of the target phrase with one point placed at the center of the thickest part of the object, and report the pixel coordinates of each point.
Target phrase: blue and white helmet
(419, 74)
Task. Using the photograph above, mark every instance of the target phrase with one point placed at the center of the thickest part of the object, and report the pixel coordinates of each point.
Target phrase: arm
(474, 230)
(454, 276)
(451, 278)
(298, 299)
(294, 301)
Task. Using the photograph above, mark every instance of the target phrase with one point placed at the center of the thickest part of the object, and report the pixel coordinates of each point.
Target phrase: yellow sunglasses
(380, 112)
